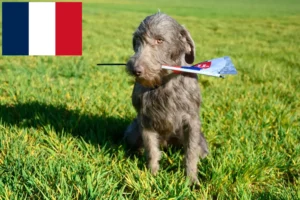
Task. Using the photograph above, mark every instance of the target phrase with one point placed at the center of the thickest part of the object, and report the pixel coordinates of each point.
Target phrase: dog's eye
(158, 41)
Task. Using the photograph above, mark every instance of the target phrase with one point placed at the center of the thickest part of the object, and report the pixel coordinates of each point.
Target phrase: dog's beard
(150, 82)
(154, 79)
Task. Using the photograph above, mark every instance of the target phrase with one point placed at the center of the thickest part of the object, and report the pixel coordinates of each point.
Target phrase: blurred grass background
(62, 118)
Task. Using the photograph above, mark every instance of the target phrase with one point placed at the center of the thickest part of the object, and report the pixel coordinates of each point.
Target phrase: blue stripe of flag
(191, 68)
(15, 29)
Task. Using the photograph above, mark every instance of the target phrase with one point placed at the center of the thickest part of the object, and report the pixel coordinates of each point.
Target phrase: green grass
(62, 118)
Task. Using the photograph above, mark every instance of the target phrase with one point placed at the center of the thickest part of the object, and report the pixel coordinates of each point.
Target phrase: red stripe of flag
(68, 28)
(177, 72)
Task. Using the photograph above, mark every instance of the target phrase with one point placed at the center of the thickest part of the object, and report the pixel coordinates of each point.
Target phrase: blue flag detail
(15, 31)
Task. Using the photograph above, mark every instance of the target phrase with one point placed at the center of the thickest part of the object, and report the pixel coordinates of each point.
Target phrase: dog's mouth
(148, 75)
(153, 80)
(149, 82)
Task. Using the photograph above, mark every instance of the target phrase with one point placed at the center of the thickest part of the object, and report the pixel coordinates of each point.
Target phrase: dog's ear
(189, 46)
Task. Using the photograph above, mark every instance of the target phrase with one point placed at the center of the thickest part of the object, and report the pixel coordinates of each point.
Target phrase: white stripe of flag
(42, 28)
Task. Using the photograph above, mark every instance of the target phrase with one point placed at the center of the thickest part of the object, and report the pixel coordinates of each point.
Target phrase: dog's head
(159, 40)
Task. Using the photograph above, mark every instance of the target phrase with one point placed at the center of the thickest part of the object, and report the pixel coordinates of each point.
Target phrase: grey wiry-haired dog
(167, 103)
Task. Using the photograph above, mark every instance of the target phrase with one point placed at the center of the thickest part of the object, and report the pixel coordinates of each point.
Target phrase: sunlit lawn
(62, 118)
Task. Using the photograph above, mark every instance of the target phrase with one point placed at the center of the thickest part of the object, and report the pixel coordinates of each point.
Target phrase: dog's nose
(137, 72)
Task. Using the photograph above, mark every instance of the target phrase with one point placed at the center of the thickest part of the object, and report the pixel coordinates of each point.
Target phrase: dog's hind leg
(133, 135)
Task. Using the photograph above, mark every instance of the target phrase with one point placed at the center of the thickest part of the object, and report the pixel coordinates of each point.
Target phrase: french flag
(42, 28)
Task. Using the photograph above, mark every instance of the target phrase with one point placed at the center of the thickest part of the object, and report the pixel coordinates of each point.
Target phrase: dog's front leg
(192, 137)
(151, 144)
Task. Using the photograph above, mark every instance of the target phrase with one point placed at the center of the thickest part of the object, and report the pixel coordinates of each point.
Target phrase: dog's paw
(194, 182)
(153, 167)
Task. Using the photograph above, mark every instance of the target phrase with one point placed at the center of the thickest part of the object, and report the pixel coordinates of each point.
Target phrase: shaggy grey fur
(167, 103)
